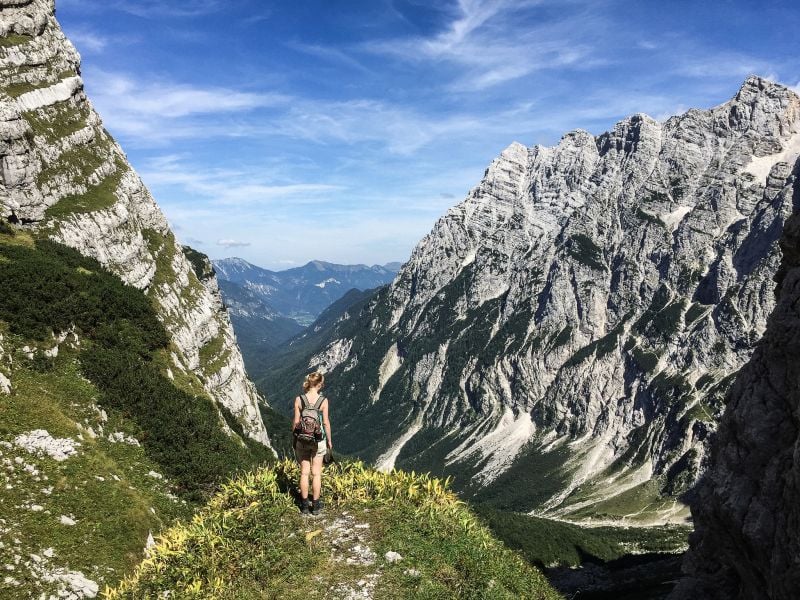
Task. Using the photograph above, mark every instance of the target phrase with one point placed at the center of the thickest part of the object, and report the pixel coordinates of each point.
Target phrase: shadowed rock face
(747, 506)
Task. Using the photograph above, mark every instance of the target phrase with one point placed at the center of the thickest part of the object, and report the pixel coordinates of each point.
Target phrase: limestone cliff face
(63, 175)
(576, 320)
(747, 507)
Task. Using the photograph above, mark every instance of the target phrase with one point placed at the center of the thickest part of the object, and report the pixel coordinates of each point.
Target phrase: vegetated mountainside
(92, 452)
(284, 373)
(260, 330)
(65, 177)
(563, 339)
(304, 292)
(746, 507)
(382, 535)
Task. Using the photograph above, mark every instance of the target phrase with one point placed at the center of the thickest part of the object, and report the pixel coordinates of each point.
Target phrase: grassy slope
(108, 376)
(251, 542)
(105, 488)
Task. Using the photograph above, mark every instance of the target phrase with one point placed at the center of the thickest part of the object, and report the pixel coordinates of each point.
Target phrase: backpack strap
(304, 402)
(319, 402)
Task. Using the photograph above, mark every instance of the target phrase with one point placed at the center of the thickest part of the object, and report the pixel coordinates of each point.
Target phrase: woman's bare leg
(316, 474)
(305, 469)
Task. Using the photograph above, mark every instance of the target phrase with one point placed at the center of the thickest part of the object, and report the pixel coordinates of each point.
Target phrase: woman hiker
(312, 439)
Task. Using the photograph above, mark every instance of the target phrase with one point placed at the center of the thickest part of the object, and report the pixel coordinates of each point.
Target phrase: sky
(283, 132)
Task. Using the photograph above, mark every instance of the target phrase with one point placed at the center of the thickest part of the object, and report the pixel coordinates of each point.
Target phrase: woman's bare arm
(296, 421)
(326, 422)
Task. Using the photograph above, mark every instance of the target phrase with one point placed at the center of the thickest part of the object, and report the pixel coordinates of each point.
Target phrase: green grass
(650, 218)
(696, 310)
(646, 361)
(163, 249)
(201, 265)
(99, 197)
(47, 289)
(15, 90)
(214, 355)
(656, 197)
(250, 542)
(584, 250)
(58, 121)
(640, 501)
(113, 515)
(14, 39)
(77, 163)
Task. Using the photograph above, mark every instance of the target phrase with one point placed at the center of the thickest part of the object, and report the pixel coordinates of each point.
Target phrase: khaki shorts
(307, 451)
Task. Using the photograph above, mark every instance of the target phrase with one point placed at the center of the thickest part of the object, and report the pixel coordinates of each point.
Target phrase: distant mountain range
(301, 293)
(270, 308)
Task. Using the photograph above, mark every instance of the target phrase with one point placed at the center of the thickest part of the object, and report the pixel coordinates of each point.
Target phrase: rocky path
(354, 568)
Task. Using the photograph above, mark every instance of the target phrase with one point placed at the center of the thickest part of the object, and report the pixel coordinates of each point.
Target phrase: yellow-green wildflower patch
(251, 542)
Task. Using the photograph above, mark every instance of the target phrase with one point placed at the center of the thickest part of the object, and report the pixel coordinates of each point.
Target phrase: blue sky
(288, 131)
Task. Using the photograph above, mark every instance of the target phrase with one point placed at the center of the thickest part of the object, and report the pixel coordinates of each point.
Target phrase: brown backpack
(310, 428)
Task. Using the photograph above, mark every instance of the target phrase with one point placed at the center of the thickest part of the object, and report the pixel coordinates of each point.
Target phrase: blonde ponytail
(313, 379)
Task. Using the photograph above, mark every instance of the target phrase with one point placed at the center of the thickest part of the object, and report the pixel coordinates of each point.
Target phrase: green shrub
(544, 542)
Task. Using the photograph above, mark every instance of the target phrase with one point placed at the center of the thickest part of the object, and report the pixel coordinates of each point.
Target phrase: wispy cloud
(151, 9)
(153, 112)
(328, 54)
(231, 187)
(158, 8)
(490, 46)
(88, 41)
(233, 244)
(696, 62)
(173, 100)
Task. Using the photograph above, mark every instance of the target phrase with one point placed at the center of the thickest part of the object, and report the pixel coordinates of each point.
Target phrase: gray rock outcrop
(62, 174)
(746, 508)
(575, 322)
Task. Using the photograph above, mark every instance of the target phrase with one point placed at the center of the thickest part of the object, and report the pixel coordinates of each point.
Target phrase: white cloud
(174, 100)
(229, 187)
(150, 9)
(158, 8)
(695, 62)
(491, 46)
(328, 54)
(87, 41)
(233, 244)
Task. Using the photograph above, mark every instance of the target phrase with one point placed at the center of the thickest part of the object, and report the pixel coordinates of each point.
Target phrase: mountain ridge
(125, 397)
(302, 293)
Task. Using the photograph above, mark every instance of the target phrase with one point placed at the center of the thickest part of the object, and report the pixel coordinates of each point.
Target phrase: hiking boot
(304, 506)
(316, 507)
